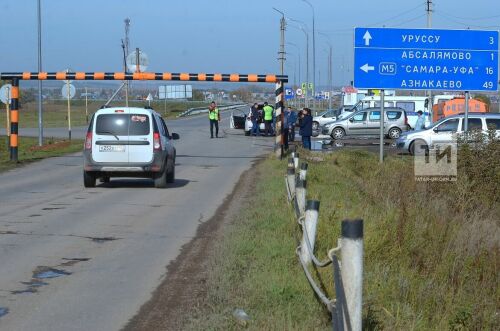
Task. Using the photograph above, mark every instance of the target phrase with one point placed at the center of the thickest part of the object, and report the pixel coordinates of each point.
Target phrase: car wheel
(315, 126)
(418, 144)
(394, 133)
(88, 179)
(337, 133)
(171, 173)
(161, 178)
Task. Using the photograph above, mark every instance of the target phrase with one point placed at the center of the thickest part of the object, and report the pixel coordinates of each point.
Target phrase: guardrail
(200, 110)
(346, 308)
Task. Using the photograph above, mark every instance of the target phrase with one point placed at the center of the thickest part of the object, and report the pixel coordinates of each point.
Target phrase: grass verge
(29, 151)
(432, 250)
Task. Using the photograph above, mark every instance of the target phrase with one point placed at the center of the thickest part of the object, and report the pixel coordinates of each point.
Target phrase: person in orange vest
(214, 117)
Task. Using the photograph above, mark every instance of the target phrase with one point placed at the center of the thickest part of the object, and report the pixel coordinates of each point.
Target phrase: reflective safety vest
(213, 115)
(268, 113)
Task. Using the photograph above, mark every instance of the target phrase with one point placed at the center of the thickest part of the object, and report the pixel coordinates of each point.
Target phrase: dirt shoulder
(184, 288)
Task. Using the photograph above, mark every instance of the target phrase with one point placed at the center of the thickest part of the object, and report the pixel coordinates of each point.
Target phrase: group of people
(267, 114)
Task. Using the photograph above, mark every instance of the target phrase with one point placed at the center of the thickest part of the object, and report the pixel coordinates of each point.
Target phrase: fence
(346, 308)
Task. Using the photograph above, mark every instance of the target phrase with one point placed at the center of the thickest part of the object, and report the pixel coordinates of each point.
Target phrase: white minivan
(128, 142)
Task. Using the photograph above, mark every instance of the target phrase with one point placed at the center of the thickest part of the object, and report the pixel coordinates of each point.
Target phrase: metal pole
(290, 181)
(429, 92)
(279, 119)
(86, 105)
(314, 49)
(14, 123)
(69, 109)
(303, 171)
(40, 113)
(331, 80)
(466, 117)
(381, 150)
(310, 225)
(7, 116)
(352, 270)
(300, 197)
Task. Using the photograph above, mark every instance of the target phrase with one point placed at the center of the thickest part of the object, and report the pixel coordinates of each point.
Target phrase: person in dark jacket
(292, 119)
(254, 116)
(306, 128)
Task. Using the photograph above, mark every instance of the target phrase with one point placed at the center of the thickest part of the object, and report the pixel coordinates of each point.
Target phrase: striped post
(14, 119)
(278, 147)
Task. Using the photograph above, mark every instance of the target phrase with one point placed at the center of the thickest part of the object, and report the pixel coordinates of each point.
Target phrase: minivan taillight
(406, 119)
(156, 141)
(88, 141)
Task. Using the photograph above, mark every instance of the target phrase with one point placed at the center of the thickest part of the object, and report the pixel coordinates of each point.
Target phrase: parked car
(329, 116)
(446, 130)
(128, 142)
(238, 118)
(366, 122)
(248, 122)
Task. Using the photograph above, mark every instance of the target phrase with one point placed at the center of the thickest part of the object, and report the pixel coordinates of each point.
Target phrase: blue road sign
(289, 93)
(426, 59)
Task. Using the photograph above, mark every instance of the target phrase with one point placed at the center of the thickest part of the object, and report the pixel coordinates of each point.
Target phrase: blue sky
(211, 36)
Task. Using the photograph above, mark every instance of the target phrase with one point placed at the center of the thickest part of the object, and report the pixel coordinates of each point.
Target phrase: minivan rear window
(122, 124)
(394, 115)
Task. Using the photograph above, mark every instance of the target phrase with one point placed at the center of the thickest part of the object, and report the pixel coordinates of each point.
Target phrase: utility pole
(125, 50)
(281, 53)
(314, 48)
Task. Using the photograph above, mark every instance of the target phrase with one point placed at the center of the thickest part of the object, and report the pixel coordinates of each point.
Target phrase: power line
(472, 18)
(445, 17)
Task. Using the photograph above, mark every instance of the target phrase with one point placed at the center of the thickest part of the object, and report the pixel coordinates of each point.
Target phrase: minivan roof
(112, 110)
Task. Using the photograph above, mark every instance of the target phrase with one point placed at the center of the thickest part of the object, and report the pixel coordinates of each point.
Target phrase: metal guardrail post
(303, 171)
(352, 269)
(296, 160)
(310, 224)
(290, 182)
(300, 197)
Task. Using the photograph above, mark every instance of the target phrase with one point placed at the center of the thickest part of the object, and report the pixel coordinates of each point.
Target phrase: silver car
(366, 122)
(446, 130)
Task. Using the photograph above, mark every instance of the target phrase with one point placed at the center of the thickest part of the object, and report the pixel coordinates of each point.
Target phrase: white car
(249, 124)
(128, 142)
(446, 130)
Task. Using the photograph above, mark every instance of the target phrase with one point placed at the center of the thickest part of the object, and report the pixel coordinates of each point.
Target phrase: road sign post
(426, 59)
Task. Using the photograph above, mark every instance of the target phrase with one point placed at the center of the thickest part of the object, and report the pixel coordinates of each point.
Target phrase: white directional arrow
(366, 68)
(367, 36)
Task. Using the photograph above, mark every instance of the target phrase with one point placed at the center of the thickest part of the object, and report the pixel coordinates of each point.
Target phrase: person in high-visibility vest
(214, 117)
(268, 118)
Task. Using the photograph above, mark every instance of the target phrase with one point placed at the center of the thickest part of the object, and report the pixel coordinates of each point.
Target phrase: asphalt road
(108, 245)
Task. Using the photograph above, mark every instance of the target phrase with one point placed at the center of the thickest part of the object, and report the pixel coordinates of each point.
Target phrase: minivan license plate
(106, 148)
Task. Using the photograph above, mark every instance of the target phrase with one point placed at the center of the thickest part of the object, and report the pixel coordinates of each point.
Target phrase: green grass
(29, 151)
(432, 250)
(55, 113)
